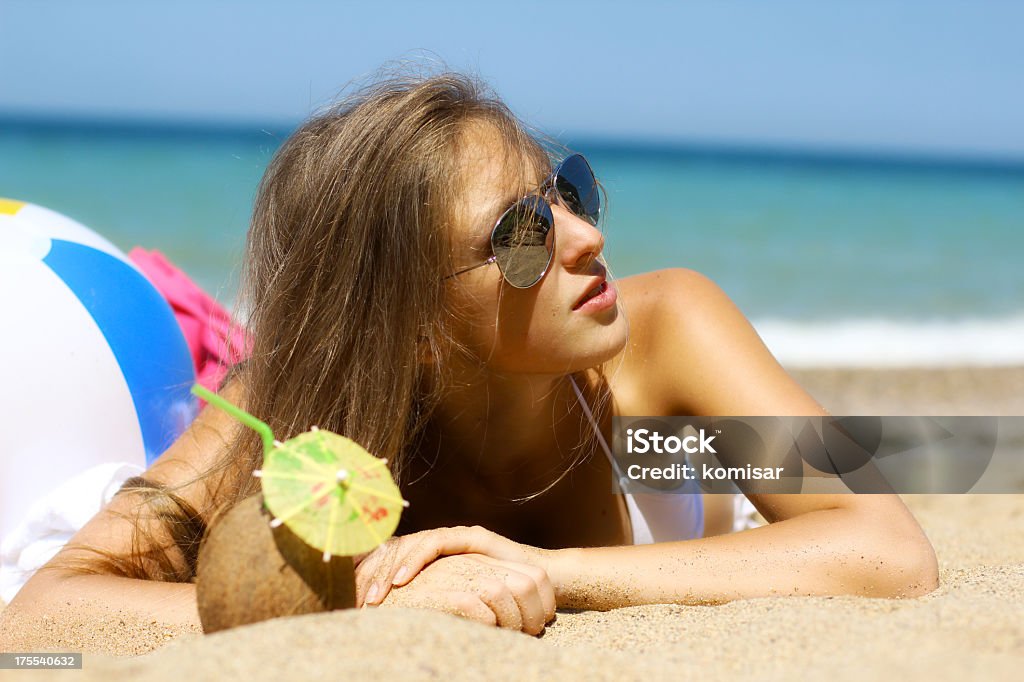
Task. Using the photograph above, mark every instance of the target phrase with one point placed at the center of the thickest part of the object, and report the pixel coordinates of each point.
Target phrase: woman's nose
(577, 241)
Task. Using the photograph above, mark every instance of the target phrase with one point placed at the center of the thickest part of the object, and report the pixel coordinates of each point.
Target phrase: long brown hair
(346, 251)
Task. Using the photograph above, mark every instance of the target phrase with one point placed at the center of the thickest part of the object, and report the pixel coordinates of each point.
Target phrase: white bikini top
(655, 516)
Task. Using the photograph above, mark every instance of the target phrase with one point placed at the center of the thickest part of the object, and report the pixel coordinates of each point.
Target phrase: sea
(851, 259)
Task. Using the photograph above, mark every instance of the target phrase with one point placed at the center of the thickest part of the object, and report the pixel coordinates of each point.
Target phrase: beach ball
(95, 367)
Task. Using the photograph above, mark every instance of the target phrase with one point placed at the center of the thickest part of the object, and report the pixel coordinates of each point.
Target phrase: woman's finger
(390, 562)
(376, 568)
(370, 574)
(364, 573)
(437, 543)
(532, 587)
(499, 598)
(529, 594)
(470, 606)
(461, 603)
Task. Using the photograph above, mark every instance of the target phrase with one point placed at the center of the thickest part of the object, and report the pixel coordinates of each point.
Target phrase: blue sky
(929, 77)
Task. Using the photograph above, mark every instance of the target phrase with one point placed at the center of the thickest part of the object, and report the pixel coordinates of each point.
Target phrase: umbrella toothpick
(301, 478)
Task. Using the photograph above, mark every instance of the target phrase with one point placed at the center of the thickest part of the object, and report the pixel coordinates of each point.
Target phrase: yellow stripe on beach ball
(10, 206)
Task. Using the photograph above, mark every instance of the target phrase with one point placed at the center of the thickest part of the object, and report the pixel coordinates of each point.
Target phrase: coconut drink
(288, 550)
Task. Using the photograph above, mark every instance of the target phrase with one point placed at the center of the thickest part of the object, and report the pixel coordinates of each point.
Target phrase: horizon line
(730, 150)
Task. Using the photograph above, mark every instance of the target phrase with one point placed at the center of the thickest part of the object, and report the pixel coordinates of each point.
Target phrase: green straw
(238, 413)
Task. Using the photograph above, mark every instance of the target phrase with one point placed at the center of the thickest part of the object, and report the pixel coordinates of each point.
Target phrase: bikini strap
(593, 422)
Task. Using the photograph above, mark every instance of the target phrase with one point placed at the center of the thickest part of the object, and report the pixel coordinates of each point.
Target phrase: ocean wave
(880, 342)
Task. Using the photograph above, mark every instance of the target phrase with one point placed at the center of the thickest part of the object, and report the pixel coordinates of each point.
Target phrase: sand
(971, 627)
(918, 391)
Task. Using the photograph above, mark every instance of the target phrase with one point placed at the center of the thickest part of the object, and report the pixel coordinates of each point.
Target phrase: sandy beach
(972, 627)
(997, 391)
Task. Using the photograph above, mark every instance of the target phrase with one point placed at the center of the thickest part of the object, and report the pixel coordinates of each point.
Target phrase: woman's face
(539, 330)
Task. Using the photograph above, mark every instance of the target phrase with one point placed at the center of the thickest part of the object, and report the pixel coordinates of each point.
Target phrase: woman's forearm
(824, 552)
(80, 603)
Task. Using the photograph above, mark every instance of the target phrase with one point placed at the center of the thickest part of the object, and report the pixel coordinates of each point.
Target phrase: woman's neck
(507, 433)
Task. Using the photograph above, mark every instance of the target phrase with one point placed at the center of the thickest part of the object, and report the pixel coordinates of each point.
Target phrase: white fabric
(666, 517)
(53, 519)
(745, 514)
(655, 516)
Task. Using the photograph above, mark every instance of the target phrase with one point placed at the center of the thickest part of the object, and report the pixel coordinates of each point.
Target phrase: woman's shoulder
(656, 304)
(647, 296)
(692, 351)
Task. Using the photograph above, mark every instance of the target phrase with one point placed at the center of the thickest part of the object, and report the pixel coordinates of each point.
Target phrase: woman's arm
(81, 599)
(858, 549)
(698, 355)
(705, 358)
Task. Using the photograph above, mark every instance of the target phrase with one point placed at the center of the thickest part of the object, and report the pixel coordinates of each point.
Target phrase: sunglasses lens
(521, 242)
(577, 186)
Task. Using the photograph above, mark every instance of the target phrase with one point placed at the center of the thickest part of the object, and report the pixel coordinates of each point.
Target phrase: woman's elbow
(890, 555)
(908, 569)
(921, 572)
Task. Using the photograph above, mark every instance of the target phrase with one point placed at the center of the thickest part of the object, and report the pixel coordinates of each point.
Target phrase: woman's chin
(600, 348)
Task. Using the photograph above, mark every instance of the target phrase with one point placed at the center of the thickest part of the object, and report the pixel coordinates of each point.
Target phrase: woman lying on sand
(425, 279)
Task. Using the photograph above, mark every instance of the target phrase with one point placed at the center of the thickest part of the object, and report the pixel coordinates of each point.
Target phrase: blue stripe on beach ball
(143, 334)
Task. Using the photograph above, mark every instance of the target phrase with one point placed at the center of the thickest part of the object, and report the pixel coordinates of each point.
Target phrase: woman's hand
(503, 593)
(401, 558)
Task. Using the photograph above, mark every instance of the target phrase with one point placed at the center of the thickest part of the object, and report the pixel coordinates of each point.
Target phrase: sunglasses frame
(537, 199)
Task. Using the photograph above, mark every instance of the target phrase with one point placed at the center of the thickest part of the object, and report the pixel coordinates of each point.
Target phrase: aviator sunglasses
(519, 240)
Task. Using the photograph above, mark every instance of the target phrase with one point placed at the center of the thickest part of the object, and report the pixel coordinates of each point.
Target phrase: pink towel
(216, 341)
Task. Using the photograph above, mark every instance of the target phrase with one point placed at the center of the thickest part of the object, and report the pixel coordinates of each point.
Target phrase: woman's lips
(603, 299)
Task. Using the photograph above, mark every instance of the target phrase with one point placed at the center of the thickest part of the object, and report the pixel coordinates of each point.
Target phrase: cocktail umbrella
(325, 487)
